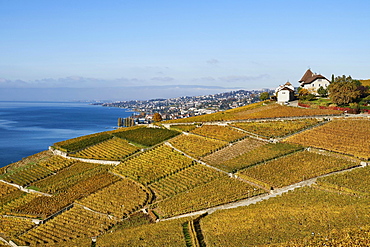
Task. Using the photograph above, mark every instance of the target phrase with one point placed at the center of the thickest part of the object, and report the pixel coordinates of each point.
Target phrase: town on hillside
(183, 107)
(313, 90)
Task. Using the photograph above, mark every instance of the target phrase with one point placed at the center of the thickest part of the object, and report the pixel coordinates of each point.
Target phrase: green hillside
(258, 175)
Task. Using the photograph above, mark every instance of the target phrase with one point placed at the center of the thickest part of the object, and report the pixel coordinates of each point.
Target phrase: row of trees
(130, 121)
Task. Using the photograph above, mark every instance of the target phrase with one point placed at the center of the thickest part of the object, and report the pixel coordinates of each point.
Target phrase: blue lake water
(30, 127)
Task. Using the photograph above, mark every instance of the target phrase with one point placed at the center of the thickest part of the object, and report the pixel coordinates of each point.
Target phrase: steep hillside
(258, 175)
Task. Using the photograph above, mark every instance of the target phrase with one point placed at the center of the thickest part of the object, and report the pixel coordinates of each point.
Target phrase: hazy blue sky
(232, 44)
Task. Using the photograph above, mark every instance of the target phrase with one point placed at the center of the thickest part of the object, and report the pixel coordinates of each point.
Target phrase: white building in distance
(285, 93)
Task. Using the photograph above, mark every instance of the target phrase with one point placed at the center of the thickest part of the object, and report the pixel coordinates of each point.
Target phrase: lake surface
(30, 127)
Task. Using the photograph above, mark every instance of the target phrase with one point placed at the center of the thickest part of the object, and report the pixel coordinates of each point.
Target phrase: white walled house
(312, 81)
(285, 93)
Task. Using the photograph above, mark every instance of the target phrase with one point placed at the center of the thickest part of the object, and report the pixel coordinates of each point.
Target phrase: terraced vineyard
(275, 129)
(157, 235)
(303, 213)
(6, 190)
(184, 127)
(355, 236)
(11, 226)
(10, 197)
(25, 175)
(216, 192)
(355, 182)
(135, 134)
(44, 206)
(349, 136)
(257, 154)
(119, 199)
(294, 168)
(219, 132)
(76, 144)
(56, 163)
(153, 165)
(147, 136)
(132, 203)
(184, 180)
(30, 160)
(21, 198)
(197, 146)
(68, 177)
(112, 149)
(74, 223)
(222, 156)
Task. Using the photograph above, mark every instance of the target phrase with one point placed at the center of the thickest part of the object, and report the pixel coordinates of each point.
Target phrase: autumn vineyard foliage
(349, 136)
(184, 127)
(197, 146)
(231, 169)
(112, 149)
(294, 168)
(214, 193)
(119, 199)
(275, 129)
(232, 151)
(258, 154)
(223, 133)
(85, 223)
(147, 136)
(304, 213)
(153, 165)
(184, 180)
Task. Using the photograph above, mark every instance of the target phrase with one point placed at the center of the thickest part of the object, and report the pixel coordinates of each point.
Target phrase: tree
(344, 90)
(323, 92)
(157, 117)
(305, 94)
(264, 96)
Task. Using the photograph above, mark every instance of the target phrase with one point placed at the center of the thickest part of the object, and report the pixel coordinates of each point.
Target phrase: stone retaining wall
(65, 155)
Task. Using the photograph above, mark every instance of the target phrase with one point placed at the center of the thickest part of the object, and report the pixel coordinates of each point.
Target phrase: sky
(140, 49)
